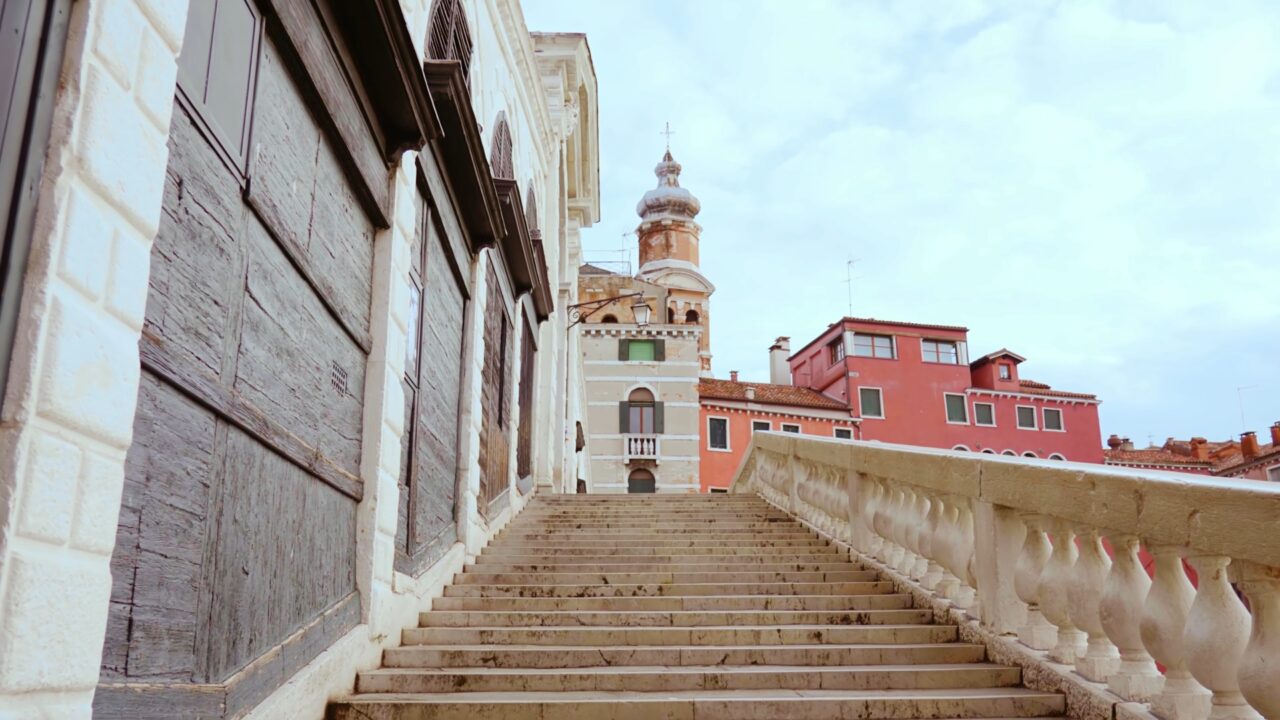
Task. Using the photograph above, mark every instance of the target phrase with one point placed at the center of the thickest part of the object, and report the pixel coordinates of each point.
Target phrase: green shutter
(657, 418)
(624, 417)
(624, 351)
(659, 350)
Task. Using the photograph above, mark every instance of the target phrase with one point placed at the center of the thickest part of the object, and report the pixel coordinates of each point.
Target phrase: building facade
(290, 339)
(915, 384)
(1246, 458)
(642, 381)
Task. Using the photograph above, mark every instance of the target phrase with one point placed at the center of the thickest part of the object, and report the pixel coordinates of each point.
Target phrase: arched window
(1030, 454)
(961, 448)
(501, 163)
(609, 319)
(447, 35)
(1057, 456)
(671, 316)
(531, 214)
(988, 451)
(691, 317)
(1010, 453)
(640, 409)
(641, 481)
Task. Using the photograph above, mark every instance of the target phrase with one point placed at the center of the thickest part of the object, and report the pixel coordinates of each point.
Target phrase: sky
(1093, 185)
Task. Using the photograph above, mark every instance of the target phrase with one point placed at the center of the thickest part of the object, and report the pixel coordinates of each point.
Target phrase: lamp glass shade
(641, 312)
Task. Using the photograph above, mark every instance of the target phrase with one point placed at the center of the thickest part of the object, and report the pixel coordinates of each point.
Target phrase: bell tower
(669, 239)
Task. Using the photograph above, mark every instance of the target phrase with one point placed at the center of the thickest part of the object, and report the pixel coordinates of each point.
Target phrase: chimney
(1114, 442)
(733, 376)
(1275, 433)
(779, 368)
(1249, 444)
(751, 393)
(1126, 444)
(1199, 448)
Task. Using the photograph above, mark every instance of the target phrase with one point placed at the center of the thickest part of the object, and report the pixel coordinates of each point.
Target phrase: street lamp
(582, 311)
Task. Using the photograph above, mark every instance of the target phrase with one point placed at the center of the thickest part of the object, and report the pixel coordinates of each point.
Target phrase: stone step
(571, 656)
(551, 565)
(657, 589)
(712, 603)
(717, 636)
(776, 531)
(820, 555)
(706, 705)
(750, 539)
(618, 552)
(572, 520)
(675, 679)
(486, 577)
(607, 544)
(677, 618)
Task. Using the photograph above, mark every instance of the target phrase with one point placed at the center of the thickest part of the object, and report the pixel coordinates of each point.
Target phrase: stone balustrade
(641, 447)
(1052, 553)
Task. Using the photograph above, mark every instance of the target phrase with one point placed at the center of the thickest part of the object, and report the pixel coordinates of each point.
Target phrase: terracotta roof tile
(767, 393)
(1031, 387)
(927, 326)
(1155, 456)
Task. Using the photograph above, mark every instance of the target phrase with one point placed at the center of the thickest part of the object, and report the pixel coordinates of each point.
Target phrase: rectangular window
(788, 427)
(877, 346)
(217, 67)
(1006, 371)
(871, 402)
(761, 425)
(984, 414)
(718, 433)
(957, 409)
(1273, 473)
(641, 418)
(1053, 419)
(835, 351)
(642, 350)
(844, 433)
(940, 351)
(1026, 417)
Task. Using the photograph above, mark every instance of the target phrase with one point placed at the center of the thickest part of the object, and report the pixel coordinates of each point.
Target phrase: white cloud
(1092, 184)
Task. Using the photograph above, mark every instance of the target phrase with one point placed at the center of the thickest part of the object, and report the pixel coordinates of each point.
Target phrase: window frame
(768, 426)
(955, 346)
(880, 393)
(946, 409)
(1044, 420)
(797, 427)
(645, 342)
(835, 433)
(1017, 417)
(975, 414)
(836, 352)
(728, 440)
(893, 346)
(1004, 371)
(1273, 473)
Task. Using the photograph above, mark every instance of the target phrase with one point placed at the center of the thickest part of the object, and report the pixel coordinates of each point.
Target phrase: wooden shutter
(658, 412)
(624, 417)
(659, 350)
(624, 349)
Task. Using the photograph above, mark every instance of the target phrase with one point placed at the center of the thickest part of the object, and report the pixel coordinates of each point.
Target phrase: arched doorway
(641, 481)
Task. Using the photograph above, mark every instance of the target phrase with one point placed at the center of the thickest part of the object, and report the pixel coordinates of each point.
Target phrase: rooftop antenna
(1240, 402)
(848, 281)
(668, 132)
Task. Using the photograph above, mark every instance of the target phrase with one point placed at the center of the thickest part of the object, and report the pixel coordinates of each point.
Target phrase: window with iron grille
(447, 35)
(501, 164)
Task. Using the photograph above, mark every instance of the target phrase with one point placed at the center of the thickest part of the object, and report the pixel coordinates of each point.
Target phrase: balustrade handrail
(1051, 550)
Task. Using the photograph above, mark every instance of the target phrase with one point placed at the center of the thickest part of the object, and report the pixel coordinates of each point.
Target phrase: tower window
(1006, 371)
(692, 317)
(609, 319)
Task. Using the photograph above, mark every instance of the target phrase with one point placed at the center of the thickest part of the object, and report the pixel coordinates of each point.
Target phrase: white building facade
(114, 532)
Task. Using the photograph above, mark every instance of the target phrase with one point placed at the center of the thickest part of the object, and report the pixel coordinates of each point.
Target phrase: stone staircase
(692, 606)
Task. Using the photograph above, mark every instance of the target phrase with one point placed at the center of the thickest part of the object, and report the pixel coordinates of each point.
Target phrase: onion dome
(668, 200)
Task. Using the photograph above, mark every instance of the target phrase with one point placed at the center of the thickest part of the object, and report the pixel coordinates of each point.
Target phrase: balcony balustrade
(1052, 552)
(641, 447)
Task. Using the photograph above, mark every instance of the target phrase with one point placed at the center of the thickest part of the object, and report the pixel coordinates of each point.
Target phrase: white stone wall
(68, 413)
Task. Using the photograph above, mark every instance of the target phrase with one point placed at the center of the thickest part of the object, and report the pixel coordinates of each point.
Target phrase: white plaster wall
(68, 415)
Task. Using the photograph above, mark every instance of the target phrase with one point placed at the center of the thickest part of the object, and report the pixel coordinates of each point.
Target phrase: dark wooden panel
(160, 538)
(524, 441)
(301, 193)
(495, 384)
(435, 469)
(286, 552)
(295, 362)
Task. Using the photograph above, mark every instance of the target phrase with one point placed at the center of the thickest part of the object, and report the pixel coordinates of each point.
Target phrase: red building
(914, 384)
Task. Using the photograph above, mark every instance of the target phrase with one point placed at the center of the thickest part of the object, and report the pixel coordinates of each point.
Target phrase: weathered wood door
(495, 429)
(237, 534)
(432, 387)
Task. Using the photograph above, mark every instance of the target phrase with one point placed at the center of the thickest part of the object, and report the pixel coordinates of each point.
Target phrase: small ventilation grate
(338, 378)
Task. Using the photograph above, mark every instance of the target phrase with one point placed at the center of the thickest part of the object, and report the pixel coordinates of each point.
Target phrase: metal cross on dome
(668, 132)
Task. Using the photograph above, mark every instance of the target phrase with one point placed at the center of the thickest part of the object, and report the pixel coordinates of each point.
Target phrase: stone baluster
(1260, 665)
(883, 522)
(966, 595)
(1164, 618)
(945, 540)
(868, 502)
(1038, 633)
(1120, 611)
(907, 531)
(1088, 578)
(892, 524)
(1055, 584)
(1215, 637)
(933, 545)
(922, 538)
